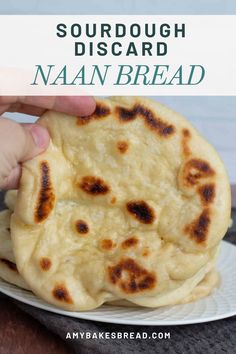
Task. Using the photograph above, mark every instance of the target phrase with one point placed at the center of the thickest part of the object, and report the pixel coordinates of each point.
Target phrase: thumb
(18, 143)
(36, 140)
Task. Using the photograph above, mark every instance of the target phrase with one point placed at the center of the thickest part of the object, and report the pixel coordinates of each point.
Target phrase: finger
(18, 143)
(34, 141)
(12, 181)
(74, 105)
(27, 109)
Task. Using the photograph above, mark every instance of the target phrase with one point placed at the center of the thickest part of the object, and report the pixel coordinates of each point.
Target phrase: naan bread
(128, 203)
(9, 272)
(203, 289)
(10, 199)
(8, 269)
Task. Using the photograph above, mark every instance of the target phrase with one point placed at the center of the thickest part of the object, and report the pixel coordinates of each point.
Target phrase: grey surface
(210, 338)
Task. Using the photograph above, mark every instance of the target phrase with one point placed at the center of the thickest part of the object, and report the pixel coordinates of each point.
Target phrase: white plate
(221, 304)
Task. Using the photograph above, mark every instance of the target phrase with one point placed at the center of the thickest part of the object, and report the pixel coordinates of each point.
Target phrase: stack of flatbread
(127, 206)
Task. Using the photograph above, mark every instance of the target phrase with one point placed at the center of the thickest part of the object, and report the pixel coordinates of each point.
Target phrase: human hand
(21, 142)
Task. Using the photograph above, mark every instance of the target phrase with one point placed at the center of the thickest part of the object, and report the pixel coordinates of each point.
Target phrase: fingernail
(40, 136)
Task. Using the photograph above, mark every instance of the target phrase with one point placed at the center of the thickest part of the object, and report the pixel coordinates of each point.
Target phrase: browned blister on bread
(46, 197)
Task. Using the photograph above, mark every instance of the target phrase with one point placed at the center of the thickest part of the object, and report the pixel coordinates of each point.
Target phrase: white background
(32, 40)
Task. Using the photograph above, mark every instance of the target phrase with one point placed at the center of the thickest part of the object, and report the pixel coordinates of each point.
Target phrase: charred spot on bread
(186, 135)
(46, 197)
(94, 185)
(60, 293)
(83, 120)
(141, 211)
(199, 228)
(9, 264)
(195, 170)
(207, 193)
(122, 146)
(45, 263)
(146, 252)
(113, 200)
(162, 128)
(131, 277)
(107, 244)
(81, 227)
(101, 111)
(130, 242)
(125, 114)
